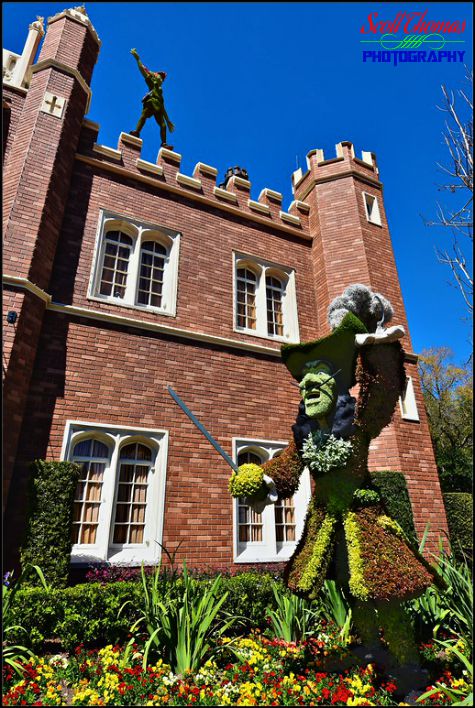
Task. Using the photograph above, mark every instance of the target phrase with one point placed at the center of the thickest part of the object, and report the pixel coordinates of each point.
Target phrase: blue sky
(261, 84)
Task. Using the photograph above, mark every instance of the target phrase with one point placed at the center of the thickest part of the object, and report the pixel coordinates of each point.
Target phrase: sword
(202, 429)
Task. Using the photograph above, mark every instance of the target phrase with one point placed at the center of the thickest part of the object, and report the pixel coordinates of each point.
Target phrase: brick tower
(352, 244)
(36, 184)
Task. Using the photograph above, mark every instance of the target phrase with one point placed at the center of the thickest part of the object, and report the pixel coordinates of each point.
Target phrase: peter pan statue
(153, 104)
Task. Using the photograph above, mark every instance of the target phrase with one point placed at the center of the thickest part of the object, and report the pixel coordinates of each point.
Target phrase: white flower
(323, 453)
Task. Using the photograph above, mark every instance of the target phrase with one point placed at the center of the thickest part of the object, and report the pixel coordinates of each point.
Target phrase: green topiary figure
(347, 530)
(153, 103)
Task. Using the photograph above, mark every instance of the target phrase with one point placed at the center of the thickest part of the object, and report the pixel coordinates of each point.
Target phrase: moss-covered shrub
(50, 510)
(459, 510)
(393, 490)
(89, 613)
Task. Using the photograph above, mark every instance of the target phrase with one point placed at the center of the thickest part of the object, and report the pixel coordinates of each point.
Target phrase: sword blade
(202, 428)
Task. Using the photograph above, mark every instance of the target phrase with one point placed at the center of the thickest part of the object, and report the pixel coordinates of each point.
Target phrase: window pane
(152, 266)
(88, 494)
(274, 293)
(246, 298)
(131, 504)
(118, 247)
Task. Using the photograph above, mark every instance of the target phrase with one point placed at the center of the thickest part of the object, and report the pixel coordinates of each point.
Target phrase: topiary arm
(381, 376)
(285, 471)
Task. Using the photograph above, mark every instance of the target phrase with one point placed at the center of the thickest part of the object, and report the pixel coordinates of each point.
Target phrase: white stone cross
(53, 105)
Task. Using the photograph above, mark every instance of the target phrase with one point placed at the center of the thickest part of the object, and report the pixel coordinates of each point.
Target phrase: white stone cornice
(257, 206)
(188, 181)
(290, 218)
(149, 167)
(77, 14)
(109, 152)
(271, 194)
(205, 169)
(26, 284)
(54, 64)
(224, 194)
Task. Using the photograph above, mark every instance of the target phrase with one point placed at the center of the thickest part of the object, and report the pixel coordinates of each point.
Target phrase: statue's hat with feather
(337, 349)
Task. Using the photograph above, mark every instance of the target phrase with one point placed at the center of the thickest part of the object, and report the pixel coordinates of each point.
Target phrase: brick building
(125, 276)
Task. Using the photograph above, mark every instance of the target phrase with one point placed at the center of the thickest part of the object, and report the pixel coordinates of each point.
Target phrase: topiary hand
(257, 488)
(248, 482)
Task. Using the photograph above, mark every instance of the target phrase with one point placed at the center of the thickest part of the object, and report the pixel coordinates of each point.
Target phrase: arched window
(93, 458)
(152, 265)
(117, 250)
(271, 535)
(246, 298)
(136, 264)
(274, 295)
(249, 523)
(135, 461)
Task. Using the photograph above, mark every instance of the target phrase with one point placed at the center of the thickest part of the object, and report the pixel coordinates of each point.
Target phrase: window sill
(253, 333)
(129, 306)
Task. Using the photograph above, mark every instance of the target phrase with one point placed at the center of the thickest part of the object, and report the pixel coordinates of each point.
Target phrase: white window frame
(140, 232)
(407, 402)
(373, 215)
(116, 437)
(262, 269)
(269, 549)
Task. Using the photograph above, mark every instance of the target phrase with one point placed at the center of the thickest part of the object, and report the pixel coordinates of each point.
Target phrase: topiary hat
(337, 349)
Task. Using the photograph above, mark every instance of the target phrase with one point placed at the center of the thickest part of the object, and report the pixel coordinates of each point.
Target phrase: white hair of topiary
(370, 307)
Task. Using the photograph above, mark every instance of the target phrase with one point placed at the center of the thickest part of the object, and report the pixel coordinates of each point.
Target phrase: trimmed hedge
(50, 513)
(89, 613)
(459, 510)
(393, 490)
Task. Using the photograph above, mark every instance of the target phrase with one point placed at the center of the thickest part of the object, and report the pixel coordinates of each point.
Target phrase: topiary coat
(370, 551)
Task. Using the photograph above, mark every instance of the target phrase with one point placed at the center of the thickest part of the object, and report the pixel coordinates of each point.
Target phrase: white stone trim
(268, 550)
(339, 148)
(169, 155)
(131, 139)
(290, 218)
(102, 316)
(109, 152)
(78, 16)
(90, 124)
(188, 181)
(103, 550)
(224, 194)
(53, 105)
(301, 206)
(70, 71)
(26, 284)
(240, 182)
(262, 267)
(149, 167)
(319, 157)
(257, 206)
(407, 402)
(373, 217)
(271, 194)
(138, 231)
(205, 169)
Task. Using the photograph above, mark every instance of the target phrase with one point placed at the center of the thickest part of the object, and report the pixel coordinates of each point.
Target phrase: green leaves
(51, 494)
(182, 627)
(294, 618)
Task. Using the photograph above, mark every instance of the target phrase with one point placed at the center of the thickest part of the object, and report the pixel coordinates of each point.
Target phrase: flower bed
(249, 671)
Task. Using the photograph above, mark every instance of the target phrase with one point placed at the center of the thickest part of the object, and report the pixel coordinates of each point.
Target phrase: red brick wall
(15, 100)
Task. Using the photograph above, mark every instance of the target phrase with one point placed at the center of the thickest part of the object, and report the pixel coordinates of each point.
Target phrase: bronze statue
(153, 104)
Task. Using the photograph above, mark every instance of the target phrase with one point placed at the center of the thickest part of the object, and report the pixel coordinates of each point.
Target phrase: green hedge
(50, 509)
(393, 490)
(89, 613)
(459, 510)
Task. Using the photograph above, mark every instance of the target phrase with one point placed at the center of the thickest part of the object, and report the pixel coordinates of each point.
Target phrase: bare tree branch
(458, 138)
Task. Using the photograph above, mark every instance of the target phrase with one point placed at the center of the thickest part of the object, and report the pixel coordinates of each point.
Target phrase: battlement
(320, 167)
(235, 195)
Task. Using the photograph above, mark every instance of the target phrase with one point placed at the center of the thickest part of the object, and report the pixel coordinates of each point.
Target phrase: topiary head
(319, 390)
